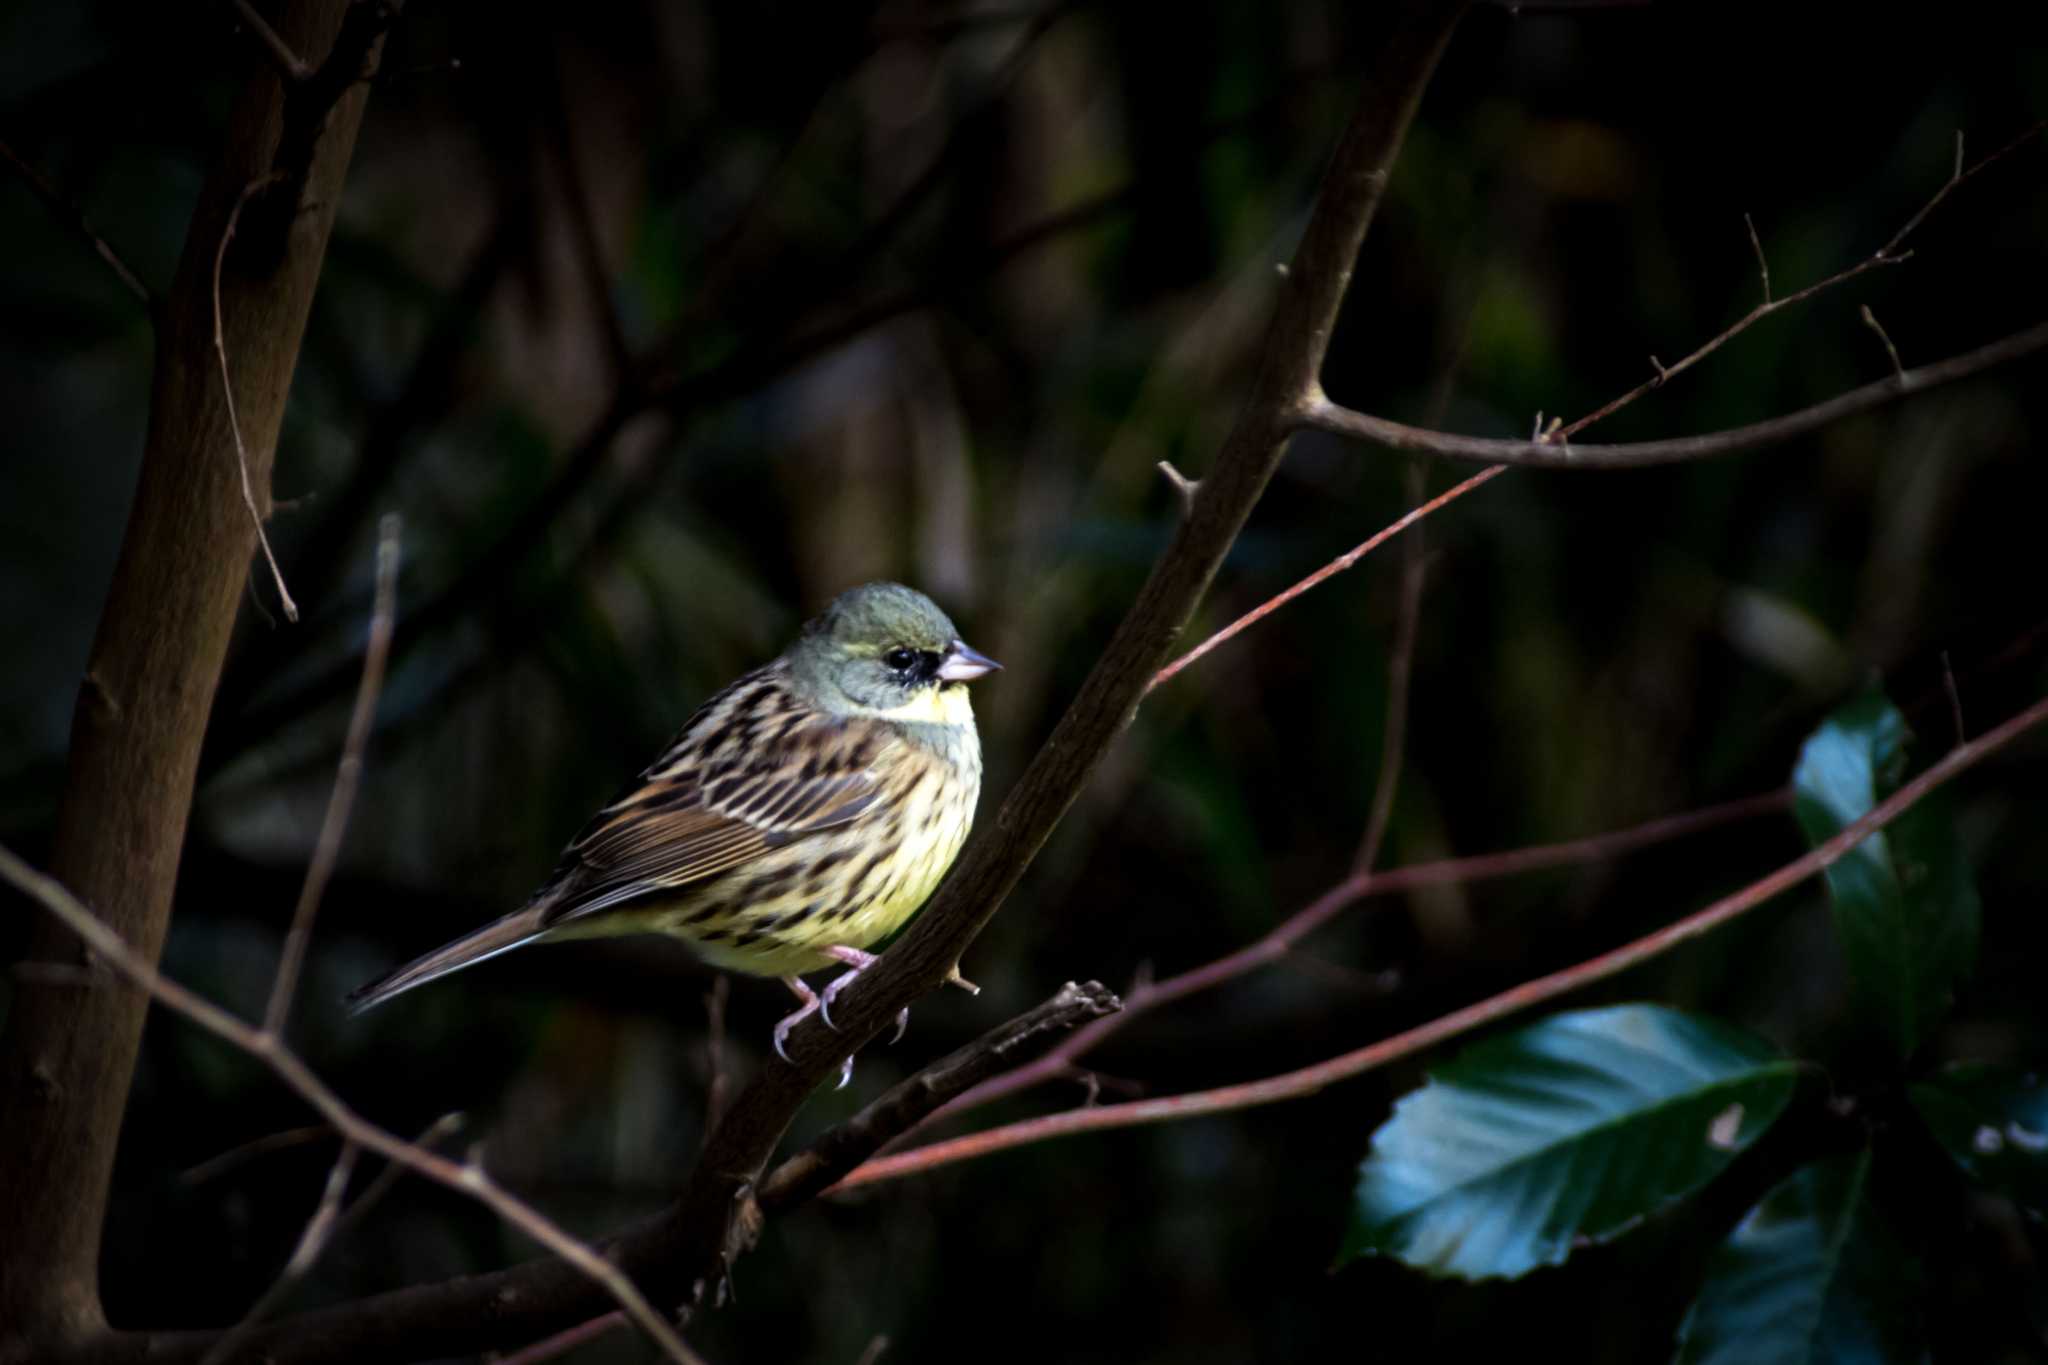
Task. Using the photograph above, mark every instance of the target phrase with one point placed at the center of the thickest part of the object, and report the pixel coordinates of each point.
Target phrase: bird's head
(885, 650)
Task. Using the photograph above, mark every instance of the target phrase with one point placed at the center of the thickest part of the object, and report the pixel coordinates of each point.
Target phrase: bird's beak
(963, 664)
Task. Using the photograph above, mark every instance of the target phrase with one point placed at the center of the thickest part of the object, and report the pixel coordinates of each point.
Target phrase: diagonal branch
(465, 1176)
(73, 217)
(1311, 1079)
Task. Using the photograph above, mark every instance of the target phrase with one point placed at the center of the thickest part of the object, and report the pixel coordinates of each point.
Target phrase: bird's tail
(499, 936)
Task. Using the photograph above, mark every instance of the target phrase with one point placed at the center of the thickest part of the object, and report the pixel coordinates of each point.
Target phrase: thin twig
(1334, 567)
(566, 1340)
(1763, 266)
(73, 217)
(290, 66)
(215, 1166)
(1888, 254)
(348, 775)
(464, 1176)
(718, 1083)
(1311, 1079)
(227, 387)
(1948, 673)
(1323, 415)
(312, 1241)
(1400, 670)
(1870, 321)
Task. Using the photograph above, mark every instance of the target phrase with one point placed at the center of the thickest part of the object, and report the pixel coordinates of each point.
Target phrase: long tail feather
(499, 936)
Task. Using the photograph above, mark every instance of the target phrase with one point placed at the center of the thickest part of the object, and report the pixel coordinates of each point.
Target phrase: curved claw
(811, 1005)
(839, 983)
(845, 1072)
(902, 1025)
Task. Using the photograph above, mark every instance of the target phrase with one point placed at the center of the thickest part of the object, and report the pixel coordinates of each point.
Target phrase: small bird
(803, 814)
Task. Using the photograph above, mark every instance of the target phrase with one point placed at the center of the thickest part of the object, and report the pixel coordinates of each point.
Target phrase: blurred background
(660, 323)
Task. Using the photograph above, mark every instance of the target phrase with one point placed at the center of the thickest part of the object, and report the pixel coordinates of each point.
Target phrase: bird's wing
(752, 772)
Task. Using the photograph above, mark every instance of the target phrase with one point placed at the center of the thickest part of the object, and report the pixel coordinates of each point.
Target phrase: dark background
(942, 285)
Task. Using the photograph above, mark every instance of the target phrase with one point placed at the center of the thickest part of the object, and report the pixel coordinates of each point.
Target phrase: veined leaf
(1809, 1277)
(1567, 1132)
(1994, 1122)
(1905, 905)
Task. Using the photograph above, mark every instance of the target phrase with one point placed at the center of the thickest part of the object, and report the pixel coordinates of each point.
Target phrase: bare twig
(227, 388)
(717, 1084)
(1330, 570)
(1956, 179)
(1763, 266)
(291, 68)
(1323, 415)
(73, 217)
(348, 776)
(464, 1176)
(235, 1156)
(1870, 321)
(1400, 669)
(1311, 1079)
(566, 1340)
(312, 1241)
(1948, 674)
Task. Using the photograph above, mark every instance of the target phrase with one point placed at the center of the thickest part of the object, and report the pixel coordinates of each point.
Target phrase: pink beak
(962, 664)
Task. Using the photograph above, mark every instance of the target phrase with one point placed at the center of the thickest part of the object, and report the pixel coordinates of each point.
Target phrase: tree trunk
(68, 1053)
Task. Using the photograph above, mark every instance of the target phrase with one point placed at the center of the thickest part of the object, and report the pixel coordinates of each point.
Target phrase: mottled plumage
(803, 814)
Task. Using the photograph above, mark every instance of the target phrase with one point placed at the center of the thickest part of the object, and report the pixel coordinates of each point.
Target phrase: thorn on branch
(1183, 485)
(1662, 373)
(1957, 173)
(1870, 321)
(1763, 266)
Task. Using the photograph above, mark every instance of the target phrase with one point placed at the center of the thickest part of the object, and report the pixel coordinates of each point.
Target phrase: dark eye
(901, 659)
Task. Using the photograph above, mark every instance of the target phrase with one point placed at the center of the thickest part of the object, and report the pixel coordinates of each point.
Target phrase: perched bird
(803, 814)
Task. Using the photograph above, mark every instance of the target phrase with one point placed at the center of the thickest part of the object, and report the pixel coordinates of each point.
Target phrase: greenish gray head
(882, 647)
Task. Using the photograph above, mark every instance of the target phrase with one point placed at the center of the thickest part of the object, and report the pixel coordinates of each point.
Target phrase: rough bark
(68, 1052)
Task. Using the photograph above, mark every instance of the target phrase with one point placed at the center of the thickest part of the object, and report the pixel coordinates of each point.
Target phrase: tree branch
(1311, 1079)
(1323, 415)
(348, 775)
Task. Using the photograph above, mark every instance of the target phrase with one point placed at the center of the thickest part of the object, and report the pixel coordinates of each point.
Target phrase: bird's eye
(900, 659)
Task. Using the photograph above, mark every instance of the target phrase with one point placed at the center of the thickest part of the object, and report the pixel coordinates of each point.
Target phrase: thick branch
(67, 1055)
(1323, 415)
(996, 858)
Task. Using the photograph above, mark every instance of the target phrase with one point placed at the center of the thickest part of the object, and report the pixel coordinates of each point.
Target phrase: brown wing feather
(752, 771)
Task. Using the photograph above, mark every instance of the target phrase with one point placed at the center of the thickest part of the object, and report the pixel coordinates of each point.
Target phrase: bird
(802, 815)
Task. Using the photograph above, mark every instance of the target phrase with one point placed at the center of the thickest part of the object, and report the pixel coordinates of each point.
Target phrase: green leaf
(1564, 1133)
(1994, 1122)
(1905, 904)
(1810, 1275)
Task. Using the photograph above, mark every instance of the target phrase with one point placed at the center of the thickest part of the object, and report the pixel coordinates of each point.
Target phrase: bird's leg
(811, 1005)
(858, 961)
